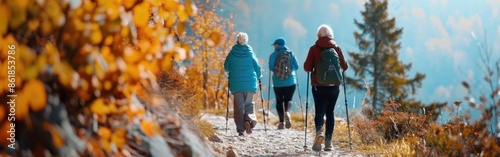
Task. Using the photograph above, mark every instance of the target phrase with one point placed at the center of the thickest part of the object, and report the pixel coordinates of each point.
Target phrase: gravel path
(259, 143)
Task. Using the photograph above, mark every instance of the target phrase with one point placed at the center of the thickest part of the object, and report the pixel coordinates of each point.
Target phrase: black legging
(283, 97)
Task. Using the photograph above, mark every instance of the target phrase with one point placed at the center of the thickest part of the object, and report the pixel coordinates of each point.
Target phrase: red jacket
(313, 56)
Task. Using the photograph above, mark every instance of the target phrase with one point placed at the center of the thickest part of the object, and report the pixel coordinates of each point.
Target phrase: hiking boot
(281, 126)
(248, 127)
(328, 146)
(240, 133)
(288, 123)
(317, 143)
(254, 123)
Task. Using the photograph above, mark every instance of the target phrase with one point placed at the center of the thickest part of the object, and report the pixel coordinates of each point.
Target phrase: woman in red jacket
(325, 96)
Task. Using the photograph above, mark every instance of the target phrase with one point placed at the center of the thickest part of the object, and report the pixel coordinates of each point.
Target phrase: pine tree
(377, 63)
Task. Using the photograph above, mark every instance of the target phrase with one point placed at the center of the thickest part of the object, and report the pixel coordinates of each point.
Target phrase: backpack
(282, 66)
(328, 68)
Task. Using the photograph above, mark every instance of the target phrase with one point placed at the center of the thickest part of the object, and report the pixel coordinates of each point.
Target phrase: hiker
(283, 64)
(244, 71)
(325, 95)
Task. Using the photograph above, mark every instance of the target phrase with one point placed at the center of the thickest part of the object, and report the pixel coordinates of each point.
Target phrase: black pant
(283, 97)
(325, 98)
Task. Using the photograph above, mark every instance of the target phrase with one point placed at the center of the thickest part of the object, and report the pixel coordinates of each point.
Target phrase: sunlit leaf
(2, 112)
(215, 37)
(181, 27)
(119, 137)
(171, 5)
(37, 94)
(182, 14)
(4, 19)
(104, 133)
(147, 127)
(99, 107)
(18, 14)
(191, 9)
(22, 105)
(141, 14)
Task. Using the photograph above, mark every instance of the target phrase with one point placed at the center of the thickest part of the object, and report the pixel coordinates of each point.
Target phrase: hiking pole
(227, 102)
(268, 94)
(263, 109)
(307, 106)
(300, 99)
(347, 112)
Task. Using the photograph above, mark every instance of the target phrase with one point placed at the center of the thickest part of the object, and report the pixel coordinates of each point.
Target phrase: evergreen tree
(377, 63)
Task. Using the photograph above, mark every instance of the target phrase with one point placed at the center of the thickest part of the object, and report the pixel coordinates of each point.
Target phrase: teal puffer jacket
(244, 69)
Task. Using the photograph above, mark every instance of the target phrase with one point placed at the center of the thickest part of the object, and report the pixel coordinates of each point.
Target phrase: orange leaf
(181, 13)
(4, 19)
(147, 127)
(37, 94)
(118, 137)
(22, 105)
(104, 133)
(99, 107)
(141, 14)
(171, 5)
(2, 112)
(215, 37)
(4, 134)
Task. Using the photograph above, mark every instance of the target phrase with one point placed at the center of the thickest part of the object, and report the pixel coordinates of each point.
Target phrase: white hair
(242, 38)
(324, 30)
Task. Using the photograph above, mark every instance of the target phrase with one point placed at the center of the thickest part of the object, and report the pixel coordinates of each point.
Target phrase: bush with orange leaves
(458, 137)
(82, 67)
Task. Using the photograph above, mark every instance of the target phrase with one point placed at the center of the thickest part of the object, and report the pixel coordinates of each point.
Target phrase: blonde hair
(242, 38)
(324, 30)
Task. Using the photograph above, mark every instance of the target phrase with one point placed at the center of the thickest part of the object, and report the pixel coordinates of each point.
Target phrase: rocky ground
(261, 143)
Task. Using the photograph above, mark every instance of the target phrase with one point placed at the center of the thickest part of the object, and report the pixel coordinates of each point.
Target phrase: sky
(440, 37)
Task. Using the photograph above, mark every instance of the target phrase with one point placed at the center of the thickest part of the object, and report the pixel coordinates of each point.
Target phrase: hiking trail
(275, 142)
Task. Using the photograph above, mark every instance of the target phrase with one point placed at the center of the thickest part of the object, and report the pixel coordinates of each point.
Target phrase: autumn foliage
(85, 71)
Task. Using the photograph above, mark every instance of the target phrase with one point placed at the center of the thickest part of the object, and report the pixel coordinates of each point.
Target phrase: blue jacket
(243, 68)
(272, 60)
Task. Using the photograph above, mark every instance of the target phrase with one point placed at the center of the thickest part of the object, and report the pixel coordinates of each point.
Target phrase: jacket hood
(241, 50)
(325, 42)
(281, 48)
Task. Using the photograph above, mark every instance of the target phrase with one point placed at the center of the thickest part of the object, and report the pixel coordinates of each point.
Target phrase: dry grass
(205, 127)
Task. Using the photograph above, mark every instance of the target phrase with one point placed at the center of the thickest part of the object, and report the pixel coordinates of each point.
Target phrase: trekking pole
(300, 99)
(263, 109)
(307, 105)
(268, 94)
(347, 112)
(227, 102)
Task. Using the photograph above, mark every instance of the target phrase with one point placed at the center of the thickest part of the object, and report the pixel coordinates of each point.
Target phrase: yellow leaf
(104, 133)
(215, 37)
(171, 5)
(182, 14)
(96, 36)
(191, 9)
(99, 107)
(181, 27)
(170, 21)
(106, 145)
(4, 19)
(37, 94)
(141, 14)
(2, 112)
(108, 40)
(22, 105)
(18, 14)
(147, 127)
(128, 3)
(119, 137)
